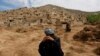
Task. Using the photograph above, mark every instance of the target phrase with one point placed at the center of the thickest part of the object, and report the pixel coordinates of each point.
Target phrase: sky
(84, 5)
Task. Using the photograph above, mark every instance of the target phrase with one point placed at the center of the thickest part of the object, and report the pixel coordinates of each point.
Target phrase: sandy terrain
(26, 44)
(20, 32)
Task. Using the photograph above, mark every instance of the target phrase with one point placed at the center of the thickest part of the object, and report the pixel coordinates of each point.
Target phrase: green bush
(94, 18)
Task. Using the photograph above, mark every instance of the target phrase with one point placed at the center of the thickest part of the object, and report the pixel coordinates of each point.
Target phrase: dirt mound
(97, 51)
(89, 33)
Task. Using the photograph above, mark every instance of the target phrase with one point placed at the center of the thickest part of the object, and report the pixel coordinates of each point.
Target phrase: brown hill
(49, 14)
(32, 21)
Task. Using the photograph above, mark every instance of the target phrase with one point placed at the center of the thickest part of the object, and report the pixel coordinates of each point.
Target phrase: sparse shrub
(94, 18)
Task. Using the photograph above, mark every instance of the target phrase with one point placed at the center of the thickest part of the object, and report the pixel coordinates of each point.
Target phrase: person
(50, 45)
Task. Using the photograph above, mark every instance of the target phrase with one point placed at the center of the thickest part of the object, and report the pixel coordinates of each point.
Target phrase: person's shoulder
(57, 37)
(48, 38)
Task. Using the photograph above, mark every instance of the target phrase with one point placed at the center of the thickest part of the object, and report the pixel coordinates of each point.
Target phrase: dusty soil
(26, 44)
(21, 31)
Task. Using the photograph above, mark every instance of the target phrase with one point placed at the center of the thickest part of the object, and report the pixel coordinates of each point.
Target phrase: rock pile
(89, 33)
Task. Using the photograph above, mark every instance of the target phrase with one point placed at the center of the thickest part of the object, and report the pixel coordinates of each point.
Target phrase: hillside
(49, 14)
(21, 31)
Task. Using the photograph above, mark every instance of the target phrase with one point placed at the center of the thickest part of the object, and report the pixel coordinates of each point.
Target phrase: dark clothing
(50, 48)
(57, 40)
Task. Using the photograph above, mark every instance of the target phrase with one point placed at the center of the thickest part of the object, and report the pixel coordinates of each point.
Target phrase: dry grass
(26, 44)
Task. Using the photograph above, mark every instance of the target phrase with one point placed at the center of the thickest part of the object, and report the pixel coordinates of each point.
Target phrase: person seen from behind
(50, 45)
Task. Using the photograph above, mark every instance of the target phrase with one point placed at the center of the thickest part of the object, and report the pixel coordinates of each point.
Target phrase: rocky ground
(26, 44)
(21, 31)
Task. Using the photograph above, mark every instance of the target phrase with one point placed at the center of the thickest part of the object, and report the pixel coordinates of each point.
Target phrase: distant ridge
(27, 17)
